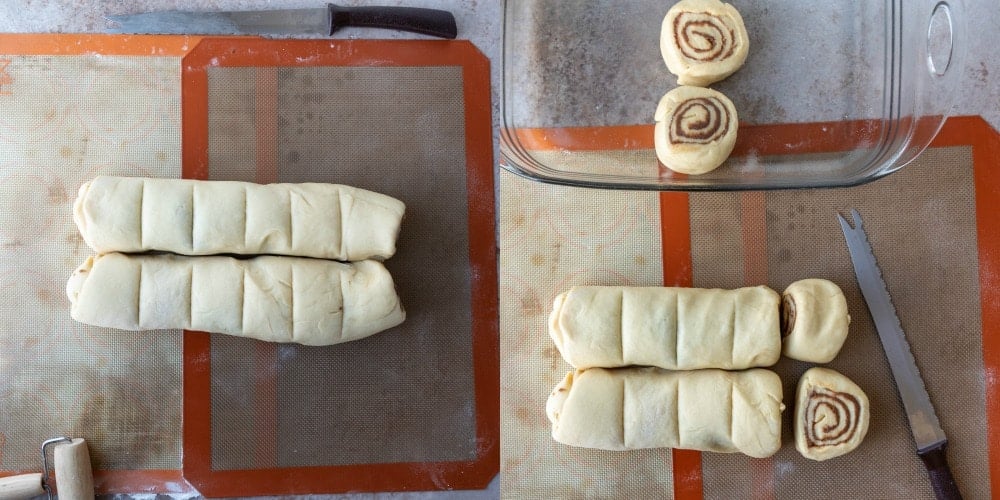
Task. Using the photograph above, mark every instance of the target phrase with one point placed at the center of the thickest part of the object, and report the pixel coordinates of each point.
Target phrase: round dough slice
(703, 41)
(814, 320)
(695, 129)
(831, 414)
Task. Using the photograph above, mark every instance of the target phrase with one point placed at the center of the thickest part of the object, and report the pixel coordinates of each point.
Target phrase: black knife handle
(434, 22)
(936, 462)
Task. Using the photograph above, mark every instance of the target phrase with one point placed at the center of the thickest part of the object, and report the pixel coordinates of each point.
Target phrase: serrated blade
(282, 22)
(924, 425)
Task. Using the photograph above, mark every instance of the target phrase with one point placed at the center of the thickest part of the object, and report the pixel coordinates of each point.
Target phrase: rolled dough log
(703, 41)
(188, 217)
(695, 130)
(831, 414)
(814, 320)
(276, 299)
(634, 408)
(671, 328)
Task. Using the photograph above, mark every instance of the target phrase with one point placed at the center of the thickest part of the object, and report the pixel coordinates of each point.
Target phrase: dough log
(634, 408)
(670, 328)
(814, 320)
(703, 41)
(188, 217)
(831, 414)
(695, 130)
(276, 299)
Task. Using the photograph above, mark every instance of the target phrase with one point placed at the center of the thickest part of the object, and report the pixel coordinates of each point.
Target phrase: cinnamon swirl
(831, 414)
(703, 41)
(695, 129)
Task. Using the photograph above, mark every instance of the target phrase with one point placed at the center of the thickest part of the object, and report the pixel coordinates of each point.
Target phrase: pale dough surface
(703, 41)
(635, 408)
(710, 120)
(831, 414)
(189, 217)
(817, 320)
(670, 328)
(276, 299)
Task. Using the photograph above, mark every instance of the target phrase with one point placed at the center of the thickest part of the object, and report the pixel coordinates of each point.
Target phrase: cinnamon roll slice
(814, 320)
(831, 414)
(703, 41)
(695, 129)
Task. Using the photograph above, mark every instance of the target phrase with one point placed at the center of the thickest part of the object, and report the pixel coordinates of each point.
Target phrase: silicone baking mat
(413, 408)
(933, 231)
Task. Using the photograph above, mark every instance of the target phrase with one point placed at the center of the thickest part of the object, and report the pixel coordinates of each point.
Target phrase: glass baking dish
(833, 93)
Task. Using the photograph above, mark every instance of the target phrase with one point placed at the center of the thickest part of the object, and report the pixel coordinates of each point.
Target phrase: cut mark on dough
(732, 332)
(621, 327)
(625, 440)
(138, 297)
(191, 242)
(291, 303)
(246, 216)
(190, 323)
(680, 327)
(677, 410)
(732, 408)
(142, 199)
(243, 301)
(343, 308)
(291, 223)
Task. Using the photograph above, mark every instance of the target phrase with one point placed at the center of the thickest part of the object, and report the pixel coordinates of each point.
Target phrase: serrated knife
(927, 433)
(287, 22)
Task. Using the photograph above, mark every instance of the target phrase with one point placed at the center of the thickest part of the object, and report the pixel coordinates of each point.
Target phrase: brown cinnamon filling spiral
(704, 37)
(831, 417)
(700, 120)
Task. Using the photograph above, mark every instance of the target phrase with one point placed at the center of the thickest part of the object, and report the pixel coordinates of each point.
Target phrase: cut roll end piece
(831, 414)
(814, 320)
(703, 41)
(695, 129)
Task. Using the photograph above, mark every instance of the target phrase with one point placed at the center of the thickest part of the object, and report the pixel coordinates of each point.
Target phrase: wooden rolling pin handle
(21, 487)
(74, 477)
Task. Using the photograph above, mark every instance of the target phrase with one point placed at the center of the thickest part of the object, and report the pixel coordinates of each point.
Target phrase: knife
(927, 433)
(286, 22)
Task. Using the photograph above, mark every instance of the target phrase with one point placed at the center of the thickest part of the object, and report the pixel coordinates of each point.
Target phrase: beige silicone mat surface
(403, 395)
(923, 229)
(64, 120)
(551, 238)
(922, 225)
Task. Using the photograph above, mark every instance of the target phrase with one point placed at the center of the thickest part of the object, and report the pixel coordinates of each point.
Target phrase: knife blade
(287, 22)
(928, 436)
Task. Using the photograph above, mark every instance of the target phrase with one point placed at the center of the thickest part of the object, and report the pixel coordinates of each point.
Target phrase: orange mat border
(774, 139)
(474, 474)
